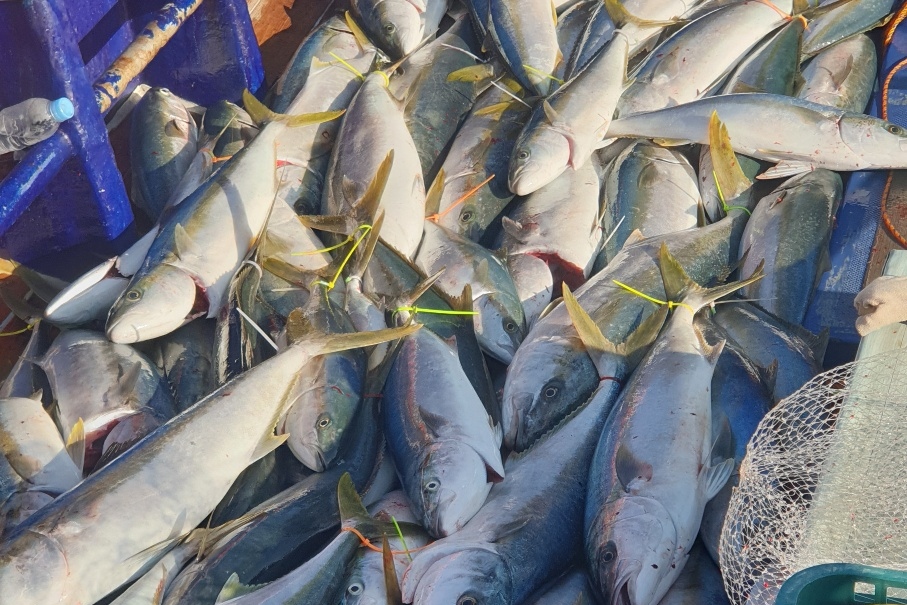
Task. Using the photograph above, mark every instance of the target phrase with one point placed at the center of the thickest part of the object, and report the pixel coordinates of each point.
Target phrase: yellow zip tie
(402, 539)
(321, 250)
(724, 203)
(387, 80)
(365, 229)
(539, 72)
(671, 304)
(17, 332)
(348, 66)
(434, 311)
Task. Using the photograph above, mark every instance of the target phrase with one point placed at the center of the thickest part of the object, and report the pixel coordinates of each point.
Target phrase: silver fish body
(445, 449)
(373, 125)
(649, 188)
(804, 134)
(499, 321)
(692, 62)
(789, 231)
(842, 75)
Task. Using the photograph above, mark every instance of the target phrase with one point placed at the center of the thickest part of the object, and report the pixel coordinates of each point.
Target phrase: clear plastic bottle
(31, 121)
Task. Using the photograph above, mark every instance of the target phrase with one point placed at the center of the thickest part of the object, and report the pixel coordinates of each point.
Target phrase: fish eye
(895, 129)
(467, 600)
(355, 588)
(466, 216)
(551, 392)
(324, 422)
(390, 29)
(523, 155)
(509, 327)
(610, 552)
(133, 295)
(432, 486)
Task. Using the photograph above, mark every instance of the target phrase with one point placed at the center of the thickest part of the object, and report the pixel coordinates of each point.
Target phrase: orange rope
(886, 219)
(437, 217)
(368, 544)
(893, 25)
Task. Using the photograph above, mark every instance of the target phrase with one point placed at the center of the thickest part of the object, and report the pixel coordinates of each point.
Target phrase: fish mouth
(123, 333)
(513, 433)
(311, 457)
(620, 594)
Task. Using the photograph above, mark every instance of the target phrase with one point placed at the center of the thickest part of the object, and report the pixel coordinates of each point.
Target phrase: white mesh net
(824, 481)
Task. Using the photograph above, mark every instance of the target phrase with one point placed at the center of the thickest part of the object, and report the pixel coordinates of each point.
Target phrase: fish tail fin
(681, 289)
(262, 115)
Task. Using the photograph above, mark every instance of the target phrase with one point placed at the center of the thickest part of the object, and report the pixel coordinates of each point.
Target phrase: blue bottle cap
(62, 109)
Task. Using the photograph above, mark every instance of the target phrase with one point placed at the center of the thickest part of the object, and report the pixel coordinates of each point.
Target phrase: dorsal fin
(391, 584)
(367, 205)
(366, 248)
(729, 176)
(75, 445)
(435, 192)
(234, 588)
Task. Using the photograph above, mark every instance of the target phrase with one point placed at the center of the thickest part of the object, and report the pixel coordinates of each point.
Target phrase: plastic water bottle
(31, 121)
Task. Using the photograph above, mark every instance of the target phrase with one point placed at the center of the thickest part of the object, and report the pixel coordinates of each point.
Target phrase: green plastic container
(844, 584)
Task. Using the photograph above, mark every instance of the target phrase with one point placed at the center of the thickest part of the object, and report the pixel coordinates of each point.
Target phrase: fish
(373, 132)
(33, 447)
(650, 189)
(525, 37)
(789, 231)
(446, 450)
(436, 106)
(337, 34)
(694, 61)
(842, 75)
(645, 502)
(319, 579)
(741, 397)
(475, 169)
(330, 389)
(597, 30)
(565, 127)
(534, 284)
(399, 26)
(805, 136)
(842, 21)
(226, 128)
(495, 559)
(190, 262)
(335, 63)
(499, 321)
(287, 526)
(365, 577)
(559, 225)
(163, 140)
(773, 66)
(551, 373)
(100, 385)
(791, 353)
(71, 568)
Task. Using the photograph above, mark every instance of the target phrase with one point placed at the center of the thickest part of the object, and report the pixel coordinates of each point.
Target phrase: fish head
(318, 420)
(537, 160)
(454, 575)
(631, 545)
(879, 143)
(359, 590)
(499, 325)
(155, 304)
(453, 486)
(398, 27)
(547, 380)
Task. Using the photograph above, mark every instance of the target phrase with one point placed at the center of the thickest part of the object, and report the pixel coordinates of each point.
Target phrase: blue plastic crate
(66, 194)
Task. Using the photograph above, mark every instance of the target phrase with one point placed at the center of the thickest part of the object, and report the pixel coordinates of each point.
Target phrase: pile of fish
(462, 269)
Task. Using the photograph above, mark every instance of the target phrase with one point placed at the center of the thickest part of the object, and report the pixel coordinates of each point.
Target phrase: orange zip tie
(893, 25)
(439, 215)
(368, 544)
(886, 219)
(216, 160)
